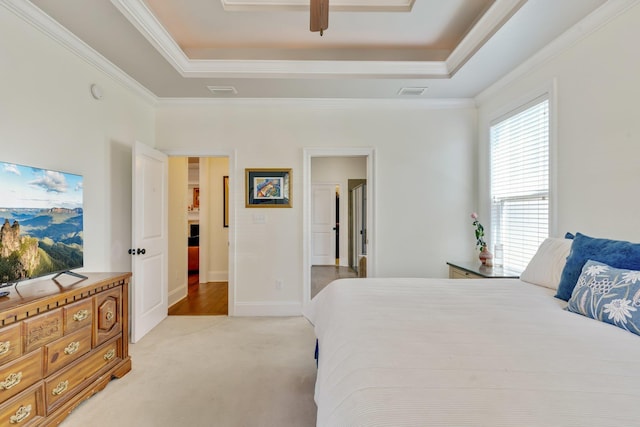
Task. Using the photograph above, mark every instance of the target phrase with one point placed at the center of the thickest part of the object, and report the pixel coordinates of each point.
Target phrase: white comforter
(438, 352)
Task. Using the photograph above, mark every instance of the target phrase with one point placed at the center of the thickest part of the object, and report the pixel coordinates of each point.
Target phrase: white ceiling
(261, 49)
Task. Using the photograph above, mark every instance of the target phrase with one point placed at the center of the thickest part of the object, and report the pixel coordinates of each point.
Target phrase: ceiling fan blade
(319, 15)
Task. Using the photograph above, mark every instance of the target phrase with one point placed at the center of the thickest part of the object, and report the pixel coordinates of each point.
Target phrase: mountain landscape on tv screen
(39, 242)
(41, 219)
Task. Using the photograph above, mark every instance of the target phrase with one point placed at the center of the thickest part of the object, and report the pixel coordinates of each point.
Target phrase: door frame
(233, 190)
(308, 154)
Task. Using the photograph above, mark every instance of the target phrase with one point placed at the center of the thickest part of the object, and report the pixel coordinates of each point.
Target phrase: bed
(479, 352)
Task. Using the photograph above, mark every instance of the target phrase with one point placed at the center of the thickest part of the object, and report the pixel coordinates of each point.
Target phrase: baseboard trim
(218, 276)
(177, 295)
(272, 308)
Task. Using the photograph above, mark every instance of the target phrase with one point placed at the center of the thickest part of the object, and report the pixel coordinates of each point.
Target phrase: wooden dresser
(61, 341)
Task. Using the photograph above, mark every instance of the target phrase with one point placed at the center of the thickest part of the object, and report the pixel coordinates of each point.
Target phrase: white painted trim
(308, 153)
(336, 5)
(203, 219)
(601, 16)
(146, 23)
(177, 295)
(269, 308)
(488, 24)
(143, 19)
(328, 103)
(51, 28)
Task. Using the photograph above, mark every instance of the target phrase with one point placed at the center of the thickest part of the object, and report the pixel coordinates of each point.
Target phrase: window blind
(520, 182)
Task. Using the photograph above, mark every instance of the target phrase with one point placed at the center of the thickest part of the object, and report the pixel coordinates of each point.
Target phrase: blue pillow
(616, 253)
(607, 294)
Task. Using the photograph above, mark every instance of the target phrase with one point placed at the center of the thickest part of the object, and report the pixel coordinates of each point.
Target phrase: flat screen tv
(41, 223)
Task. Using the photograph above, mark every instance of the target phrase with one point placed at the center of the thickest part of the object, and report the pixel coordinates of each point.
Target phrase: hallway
(206, 299)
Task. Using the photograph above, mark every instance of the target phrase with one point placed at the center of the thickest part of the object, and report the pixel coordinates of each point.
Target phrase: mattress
(441, 352)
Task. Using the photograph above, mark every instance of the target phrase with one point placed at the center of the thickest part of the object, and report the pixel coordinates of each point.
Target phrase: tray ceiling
(264, 49)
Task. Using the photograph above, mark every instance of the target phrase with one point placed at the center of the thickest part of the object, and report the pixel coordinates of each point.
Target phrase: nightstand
(475, 270)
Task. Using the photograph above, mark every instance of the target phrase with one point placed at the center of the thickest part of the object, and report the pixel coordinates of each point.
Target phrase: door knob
(132, 252)
(141, 251)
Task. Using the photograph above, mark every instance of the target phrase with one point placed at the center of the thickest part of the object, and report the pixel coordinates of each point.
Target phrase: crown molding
(321, 103)
(488, 24)
(34, 16)
(590, 24)
(336, 5)
(141, 17)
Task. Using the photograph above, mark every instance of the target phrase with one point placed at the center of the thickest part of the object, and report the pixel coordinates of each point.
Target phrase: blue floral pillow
(608, 294)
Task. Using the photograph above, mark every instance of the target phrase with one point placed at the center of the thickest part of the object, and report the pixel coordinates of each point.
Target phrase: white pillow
(545, 268)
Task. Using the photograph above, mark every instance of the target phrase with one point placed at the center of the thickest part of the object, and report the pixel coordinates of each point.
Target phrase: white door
(323, 222)
(359, 222)
(149, 245)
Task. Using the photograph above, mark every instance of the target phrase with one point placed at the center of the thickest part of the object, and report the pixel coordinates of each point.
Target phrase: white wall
(598, 133)
(218, 250)
(331, 170)
(177, 223)
(48, 119)
(425, 164)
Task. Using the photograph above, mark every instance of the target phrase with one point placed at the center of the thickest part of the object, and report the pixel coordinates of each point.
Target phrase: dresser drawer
(78, 315)
(66, 349)
(42, 329)
(62, 385)
(20, 374)
(25, 409)
(10, 343)
(461, 274)
(108, 316)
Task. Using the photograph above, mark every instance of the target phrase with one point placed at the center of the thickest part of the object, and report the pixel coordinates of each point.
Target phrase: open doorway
(199, 235)
(331, 240)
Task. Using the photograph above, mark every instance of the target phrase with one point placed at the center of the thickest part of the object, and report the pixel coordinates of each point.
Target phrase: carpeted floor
(212, 371)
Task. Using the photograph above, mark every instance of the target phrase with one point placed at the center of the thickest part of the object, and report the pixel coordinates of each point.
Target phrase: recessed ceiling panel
(336, 5)
(200, 27)
(181, 49)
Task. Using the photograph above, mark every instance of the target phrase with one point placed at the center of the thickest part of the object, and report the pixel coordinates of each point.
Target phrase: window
(520, 182)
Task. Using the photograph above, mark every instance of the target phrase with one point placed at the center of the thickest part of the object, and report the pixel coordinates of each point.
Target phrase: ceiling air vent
(223, 90)
(412, 91)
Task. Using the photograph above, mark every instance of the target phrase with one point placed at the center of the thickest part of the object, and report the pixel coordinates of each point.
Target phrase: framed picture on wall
(268, 188)
(225, 203)
(196, 197)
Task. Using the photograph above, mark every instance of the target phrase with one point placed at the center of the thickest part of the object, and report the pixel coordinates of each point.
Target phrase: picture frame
(196, 197)
(225, 198)
(268, 188)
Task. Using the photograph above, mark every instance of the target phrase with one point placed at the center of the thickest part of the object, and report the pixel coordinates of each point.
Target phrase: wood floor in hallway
(211, 299)
(203, 299)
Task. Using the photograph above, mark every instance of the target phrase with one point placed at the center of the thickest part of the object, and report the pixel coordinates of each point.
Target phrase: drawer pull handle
(81, 315)
(12, 380)
(60, 388)
(21, 414)
(5, 347)
(109, 315)
(109, 354)
(72, 347)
